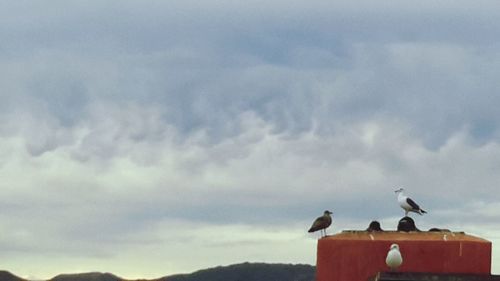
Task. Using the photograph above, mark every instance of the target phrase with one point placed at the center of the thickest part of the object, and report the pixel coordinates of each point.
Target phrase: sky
(148, 138)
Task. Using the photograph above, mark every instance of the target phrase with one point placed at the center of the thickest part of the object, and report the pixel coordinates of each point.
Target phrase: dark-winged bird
(408, 204)
(322, 223)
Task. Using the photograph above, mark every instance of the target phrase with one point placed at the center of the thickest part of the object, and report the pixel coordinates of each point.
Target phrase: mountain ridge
(89, 276)
(249, 272)
(246, 271)
(7, 276)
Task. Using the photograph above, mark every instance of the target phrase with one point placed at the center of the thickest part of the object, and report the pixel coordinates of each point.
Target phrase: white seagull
(407, 204)
(394, 258)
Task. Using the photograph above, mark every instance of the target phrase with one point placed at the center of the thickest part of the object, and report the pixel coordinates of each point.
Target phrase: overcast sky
(147, 138)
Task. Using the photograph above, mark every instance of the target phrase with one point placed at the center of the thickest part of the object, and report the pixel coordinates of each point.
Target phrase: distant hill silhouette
(236, 272)
(250, 272)
(7, 276)
(92, 276)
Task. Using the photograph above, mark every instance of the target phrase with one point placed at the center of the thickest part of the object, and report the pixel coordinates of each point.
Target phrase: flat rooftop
(405, 236)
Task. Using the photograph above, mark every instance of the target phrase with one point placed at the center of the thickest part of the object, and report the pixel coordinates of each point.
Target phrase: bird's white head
(394, 246)
(399, 190)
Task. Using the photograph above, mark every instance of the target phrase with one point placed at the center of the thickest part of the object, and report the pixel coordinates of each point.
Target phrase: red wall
(359, 255)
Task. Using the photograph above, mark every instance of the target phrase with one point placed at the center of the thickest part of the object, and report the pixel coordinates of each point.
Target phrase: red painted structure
(359, 255)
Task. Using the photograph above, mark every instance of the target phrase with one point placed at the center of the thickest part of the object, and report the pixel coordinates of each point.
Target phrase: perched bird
(407, 204)
(394, 258)
(322, 223)
(374, 226)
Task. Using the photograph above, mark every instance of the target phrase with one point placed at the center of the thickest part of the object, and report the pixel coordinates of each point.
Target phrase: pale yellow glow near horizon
(205, 247)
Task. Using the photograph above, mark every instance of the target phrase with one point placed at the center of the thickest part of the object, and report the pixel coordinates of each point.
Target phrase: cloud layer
(141, 132)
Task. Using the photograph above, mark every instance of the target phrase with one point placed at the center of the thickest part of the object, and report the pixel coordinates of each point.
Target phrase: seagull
(407, 204)
(394, 258)
(322, 223)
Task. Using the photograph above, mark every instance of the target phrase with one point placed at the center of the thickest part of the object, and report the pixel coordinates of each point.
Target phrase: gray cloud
(223, 59)
(131, 128)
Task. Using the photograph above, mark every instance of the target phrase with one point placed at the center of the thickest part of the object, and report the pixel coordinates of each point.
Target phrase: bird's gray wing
(320, 223)
(412, 203)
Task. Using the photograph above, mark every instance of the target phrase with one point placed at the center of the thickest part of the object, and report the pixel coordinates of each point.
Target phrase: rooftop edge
(405, 236)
